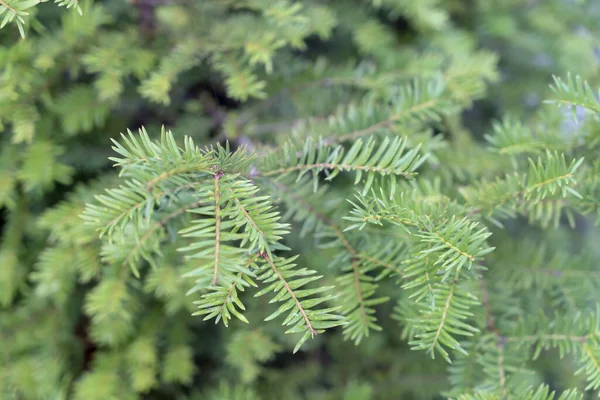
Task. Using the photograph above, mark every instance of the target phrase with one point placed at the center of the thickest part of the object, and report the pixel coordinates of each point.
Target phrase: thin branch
(175, 171)
(491, 327)
(217, 227)
(445, 312)
(381, 124)
(3, 3)
(501, 371)
(361, 301)
(347, 167)
(518, 196)
(594, 360)
(292, 294)
(453, 247)
(570, 273)
(338, 232)
(235, 281)
(380, 263)
(250, 219)
(485, 299)
(155, 196)
(567, 338)
(158, 225)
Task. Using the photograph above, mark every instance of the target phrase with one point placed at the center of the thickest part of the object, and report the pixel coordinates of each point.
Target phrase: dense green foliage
(386, 199)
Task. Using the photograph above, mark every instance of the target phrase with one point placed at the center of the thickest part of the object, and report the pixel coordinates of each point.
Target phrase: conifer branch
(415, 109)
(446, 307)
(302, 317)
(355, 254)
(238, 278)
(176, 171)
(348, 167)
(156, 226)
(357, 288)
(230, 289)
(217, 227)
(489, 317)
(404, 211)
(374, 119)
(388, 266)
(122, 204)
(288, 289)
(361, 301)
(571, 273)
(547, 180)
(595, 361)
(221, 301)
(463, 253)
(576, 91)
(390, 159)
(501, 371)
(3, 3)
(548, 337)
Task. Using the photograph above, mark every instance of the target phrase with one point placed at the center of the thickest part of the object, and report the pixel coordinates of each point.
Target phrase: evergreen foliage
(387, 199)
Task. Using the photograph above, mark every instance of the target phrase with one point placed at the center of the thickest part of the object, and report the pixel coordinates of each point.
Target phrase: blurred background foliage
(240, 71)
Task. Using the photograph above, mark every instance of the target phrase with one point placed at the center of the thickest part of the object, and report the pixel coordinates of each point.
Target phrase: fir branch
(262, 228)
(489, 316)
(501, 371)
(386, 123)
(567, 273)
(521, 193)
(547, 337)
(179, 210)
(361, 302)
(357, 288)
(575, 92)
(393, 268)
(542, 392)
(3, 3)
(125, 204)
(214, 242)
(303, 319)
(288, 289)
(228, 295)
(176, 171)
(458, 235)
(556, 273)
(418, 101)
(391, 158)
(591, 367)
(133, 254)
(221, 301)
(512, 137)
(446, 307)
(16, 12)
(216, 178)
(156, 162)
(351, 332)
(320, 166)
